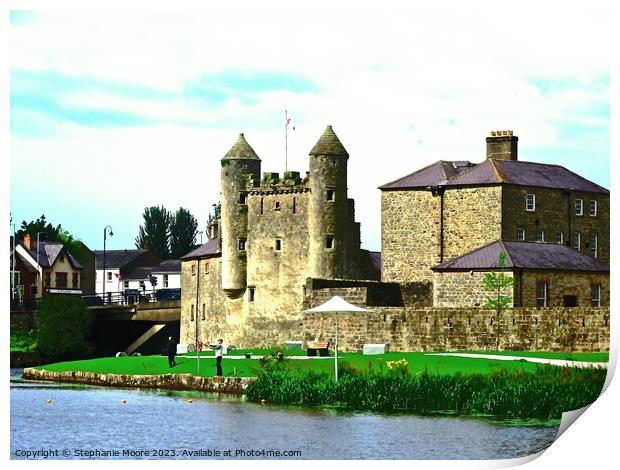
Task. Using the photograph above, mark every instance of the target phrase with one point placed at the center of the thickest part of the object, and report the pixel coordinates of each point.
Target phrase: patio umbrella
(338, 305)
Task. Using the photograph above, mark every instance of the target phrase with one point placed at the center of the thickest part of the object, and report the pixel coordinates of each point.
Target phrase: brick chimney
(27, 241)
(502, 145)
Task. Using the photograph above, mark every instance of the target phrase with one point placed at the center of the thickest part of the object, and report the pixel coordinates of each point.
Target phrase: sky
(115, 110)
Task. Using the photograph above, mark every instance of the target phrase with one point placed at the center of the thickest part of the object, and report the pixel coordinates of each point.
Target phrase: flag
(289, 121)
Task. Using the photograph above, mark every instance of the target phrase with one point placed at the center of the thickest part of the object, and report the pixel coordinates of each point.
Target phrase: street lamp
(105, 233)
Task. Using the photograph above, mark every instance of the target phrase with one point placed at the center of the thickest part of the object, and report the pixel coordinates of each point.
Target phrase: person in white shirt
(220, 349)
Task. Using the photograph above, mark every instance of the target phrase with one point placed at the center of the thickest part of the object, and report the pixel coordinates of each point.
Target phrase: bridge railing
(131, 297)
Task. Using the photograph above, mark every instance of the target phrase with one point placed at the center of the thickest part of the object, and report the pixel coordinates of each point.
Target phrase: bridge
(139, 322)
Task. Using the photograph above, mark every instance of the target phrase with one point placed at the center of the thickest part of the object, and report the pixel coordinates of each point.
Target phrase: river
(93, 422)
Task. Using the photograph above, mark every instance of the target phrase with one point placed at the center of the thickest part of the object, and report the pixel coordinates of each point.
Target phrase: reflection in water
(94, 418)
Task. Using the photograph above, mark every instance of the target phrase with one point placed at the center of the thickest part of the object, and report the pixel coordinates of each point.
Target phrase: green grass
(570, 356)
(186, 364)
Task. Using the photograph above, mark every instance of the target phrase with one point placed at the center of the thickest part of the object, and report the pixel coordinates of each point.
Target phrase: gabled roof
(167, 266)
(137, 274)
(524, 255)
(27, 264)
(115, 258)
(329, 144)
(212, 247)
(241, 150)
(493, 171)
(49, 252)
(432, 175)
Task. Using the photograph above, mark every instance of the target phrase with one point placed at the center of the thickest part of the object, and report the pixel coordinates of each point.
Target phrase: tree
(495, 282)
(75, 246)
(155, 233)
(183, 232)
(47, 231)
(63, 324)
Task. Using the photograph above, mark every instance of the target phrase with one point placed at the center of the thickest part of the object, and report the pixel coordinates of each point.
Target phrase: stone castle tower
(274, 234)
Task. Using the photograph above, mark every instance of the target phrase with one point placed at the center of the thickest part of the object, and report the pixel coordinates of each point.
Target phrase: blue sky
(111, 113)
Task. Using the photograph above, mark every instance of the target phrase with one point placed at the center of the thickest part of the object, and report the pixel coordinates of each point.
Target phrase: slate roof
(212, 247)
(167, 266)
(431, 175)
(115, 258)
(29, 267)
(137, 274)
(329, 144)
(48, 253)
(241, 150)
(525, 255)
(495, 171)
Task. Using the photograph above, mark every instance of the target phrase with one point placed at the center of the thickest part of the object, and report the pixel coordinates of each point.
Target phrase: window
(47, 279)
(191, 316)
(75, 280)
(243, 198)
(126, 284)
(594, 245)
(578, 206)
(251, 293)
(530, 202)
(204, 312)
(61, 280)
(596, 295)
(241, 244)
(559, 237)
(109, 276)
(577, 241)
(294, 205)
(206, 268)
(542, 290)
(330, 195)
(165, 280)
(278, 244)
(540, 235)
(261, 205)
(277, 206)
(593, 208)
(193, 269)
(329, 242)
(520, 234)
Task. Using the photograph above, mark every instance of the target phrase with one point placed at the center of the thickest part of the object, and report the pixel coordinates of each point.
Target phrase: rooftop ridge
(241, 150)
(329, 144)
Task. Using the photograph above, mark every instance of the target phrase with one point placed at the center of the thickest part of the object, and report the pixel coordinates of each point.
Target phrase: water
(91, 422)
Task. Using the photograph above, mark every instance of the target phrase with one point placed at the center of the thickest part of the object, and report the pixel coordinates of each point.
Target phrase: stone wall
(555, 211)
(432, 329)
(564, 283)
(463, 289)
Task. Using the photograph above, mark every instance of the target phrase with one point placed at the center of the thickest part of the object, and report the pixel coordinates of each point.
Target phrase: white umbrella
(338, 305)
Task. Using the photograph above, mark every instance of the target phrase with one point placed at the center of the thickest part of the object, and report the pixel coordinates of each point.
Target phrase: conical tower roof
(241, 151)
(329, 144)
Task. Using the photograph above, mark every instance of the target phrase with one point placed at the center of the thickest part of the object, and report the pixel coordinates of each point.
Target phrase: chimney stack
(27, 241)
(502, 145)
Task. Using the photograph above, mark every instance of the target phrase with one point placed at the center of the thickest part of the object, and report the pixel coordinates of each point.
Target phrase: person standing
(219, 351)
(171, 349)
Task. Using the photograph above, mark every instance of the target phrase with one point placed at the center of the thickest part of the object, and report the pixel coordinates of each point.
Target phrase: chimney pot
(27, 241)
(502, 145)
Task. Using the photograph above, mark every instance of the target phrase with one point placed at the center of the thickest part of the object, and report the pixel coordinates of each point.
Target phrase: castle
(249, 279)
(282, 245)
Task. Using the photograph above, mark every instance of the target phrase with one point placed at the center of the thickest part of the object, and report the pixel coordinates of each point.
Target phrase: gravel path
(539, 360)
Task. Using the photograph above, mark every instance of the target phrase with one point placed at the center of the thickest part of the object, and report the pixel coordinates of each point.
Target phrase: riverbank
(233, 385)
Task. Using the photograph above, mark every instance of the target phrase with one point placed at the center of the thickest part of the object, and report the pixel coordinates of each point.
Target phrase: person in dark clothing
(172, 350)
(219, 350)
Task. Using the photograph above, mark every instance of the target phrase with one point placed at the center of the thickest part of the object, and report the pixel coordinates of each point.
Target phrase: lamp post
(105, 233)
(13, 272)
(39, 269)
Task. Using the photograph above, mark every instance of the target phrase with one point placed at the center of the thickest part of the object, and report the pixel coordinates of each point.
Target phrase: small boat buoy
(190, 401)
(263, 401)
(49, 402)
(123, 401)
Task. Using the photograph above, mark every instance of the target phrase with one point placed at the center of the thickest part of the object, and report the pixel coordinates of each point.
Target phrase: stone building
(248, 282)
(448, 210)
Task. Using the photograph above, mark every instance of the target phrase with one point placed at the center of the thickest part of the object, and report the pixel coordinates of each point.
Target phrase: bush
(64, 323)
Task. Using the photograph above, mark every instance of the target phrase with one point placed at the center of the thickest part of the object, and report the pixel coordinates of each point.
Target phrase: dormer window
(530, 202)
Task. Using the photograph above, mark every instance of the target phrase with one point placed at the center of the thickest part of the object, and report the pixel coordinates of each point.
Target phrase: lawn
(242, 367)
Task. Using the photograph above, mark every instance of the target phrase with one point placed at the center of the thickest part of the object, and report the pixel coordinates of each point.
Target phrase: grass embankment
(186, 364)
(507, 394)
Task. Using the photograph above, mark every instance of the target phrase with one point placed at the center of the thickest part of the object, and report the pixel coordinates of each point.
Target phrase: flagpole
(285, 140)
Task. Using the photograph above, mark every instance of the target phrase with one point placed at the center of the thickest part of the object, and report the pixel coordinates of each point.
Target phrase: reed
(542, 394)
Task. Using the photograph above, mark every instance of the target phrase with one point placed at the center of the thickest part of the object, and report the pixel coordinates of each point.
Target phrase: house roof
(27, 264)
(431, 175)
(167, 266)
(138, 274)
(212, 247)
(241, 150)
(524, 255)
(329, 144)
(493, 171)
(49, 252)
(115, 258)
